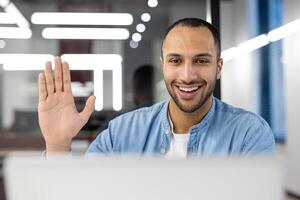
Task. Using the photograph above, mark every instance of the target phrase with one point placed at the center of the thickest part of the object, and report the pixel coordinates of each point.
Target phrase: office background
(264, 80)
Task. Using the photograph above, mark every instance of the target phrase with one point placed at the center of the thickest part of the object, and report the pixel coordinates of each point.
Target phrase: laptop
(122, 178)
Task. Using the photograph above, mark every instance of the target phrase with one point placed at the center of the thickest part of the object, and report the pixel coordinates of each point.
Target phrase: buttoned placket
(165, 141)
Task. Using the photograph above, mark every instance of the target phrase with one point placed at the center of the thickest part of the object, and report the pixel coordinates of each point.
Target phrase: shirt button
(167, 131)
(163, 151)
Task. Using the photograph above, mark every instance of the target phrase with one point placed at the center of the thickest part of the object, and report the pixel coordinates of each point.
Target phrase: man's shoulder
(239, 114)
(143, 113)
(251, 132)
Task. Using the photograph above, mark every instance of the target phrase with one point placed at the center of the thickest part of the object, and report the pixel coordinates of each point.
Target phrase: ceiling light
(145, 17)
(15, 33)
(253, 44)
(96, 62)
(284, 31)
(245, 47)
(133, 44)
(4, 3)
(2, 44)
(86, 33)
(91, 61)
(140, 28)
(229, 54)
(262, 40)
(136, 37)
(24, 61)
(20, 19)
(7, 18)
(71, 18)
(152, 3)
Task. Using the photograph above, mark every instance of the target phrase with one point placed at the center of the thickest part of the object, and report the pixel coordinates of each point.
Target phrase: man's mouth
(188, 92)
(188, 89)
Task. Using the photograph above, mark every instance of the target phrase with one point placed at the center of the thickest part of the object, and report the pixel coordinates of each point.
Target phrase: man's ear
(219, 67)
(161, 60)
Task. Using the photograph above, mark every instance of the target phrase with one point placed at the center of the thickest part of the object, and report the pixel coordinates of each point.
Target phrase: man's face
(190, 66)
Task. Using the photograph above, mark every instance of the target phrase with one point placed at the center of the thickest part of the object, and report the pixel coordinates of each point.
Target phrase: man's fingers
(58, 75)
(66, 77)
(88, 109)
(42, 87)
(49, 78)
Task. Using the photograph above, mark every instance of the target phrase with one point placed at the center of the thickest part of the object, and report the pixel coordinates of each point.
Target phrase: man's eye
(201, 61)
(174, 61)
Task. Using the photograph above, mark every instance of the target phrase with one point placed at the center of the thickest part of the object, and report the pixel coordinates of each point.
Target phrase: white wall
(237, 80)
(291, 61)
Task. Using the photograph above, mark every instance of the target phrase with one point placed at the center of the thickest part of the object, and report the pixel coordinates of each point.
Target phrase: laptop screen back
(141, 178)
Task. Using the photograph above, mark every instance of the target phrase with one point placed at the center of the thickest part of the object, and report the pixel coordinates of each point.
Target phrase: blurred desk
(10, 141)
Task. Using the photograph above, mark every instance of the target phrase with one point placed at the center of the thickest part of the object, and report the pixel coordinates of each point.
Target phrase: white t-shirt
(179, 143)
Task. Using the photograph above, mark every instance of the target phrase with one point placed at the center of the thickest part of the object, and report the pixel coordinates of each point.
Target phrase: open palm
(58, 117)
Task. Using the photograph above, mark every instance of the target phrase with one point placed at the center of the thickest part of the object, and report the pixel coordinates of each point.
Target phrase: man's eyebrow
(203, 55)
(197, 55)
(173, 54)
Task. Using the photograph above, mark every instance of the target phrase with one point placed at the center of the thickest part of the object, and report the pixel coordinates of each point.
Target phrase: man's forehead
(200, 33)
(194, 39)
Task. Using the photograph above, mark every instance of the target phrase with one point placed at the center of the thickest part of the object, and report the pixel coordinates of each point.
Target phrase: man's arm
(103, 144)
(59, 119)
(259, 139)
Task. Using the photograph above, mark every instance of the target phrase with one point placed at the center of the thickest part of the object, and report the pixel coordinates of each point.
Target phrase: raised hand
(58, 117)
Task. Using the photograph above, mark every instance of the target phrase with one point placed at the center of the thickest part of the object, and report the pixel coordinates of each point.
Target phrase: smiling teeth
(188, 89)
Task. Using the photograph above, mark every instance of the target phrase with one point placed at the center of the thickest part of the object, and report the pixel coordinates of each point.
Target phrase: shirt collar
(168, 124)
(172, 125)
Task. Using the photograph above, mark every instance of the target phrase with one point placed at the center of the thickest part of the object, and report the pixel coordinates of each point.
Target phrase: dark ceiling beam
(213, 16)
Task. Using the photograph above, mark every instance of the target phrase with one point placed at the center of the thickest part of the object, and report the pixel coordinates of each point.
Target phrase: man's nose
(188, 73)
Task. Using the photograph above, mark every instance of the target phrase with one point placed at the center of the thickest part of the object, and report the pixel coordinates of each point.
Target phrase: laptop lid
(141, 178)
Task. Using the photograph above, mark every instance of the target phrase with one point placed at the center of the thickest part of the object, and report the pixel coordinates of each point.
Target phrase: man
(192, 122)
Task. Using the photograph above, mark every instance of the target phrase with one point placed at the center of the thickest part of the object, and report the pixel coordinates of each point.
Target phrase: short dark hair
(196, 22)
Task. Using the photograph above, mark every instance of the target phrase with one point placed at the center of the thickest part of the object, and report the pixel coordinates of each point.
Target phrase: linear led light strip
(13, 16)
(15, 33)
(261, 40)
(95, 62)
(86, 33)
(71, 18)
(7, 18)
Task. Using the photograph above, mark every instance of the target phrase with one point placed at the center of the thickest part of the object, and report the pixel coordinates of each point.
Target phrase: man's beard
(199, 104)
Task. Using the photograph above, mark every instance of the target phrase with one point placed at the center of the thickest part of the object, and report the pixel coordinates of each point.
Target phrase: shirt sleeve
(259, 139)
(103, 143)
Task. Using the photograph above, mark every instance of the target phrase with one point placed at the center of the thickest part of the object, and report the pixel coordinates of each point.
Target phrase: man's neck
(182, 121)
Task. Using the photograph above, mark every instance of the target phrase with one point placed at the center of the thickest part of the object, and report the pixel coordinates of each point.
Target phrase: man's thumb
(88, 109)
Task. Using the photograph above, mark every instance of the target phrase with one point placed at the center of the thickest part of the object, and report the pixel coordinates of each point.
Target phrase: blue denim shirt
(225, 130)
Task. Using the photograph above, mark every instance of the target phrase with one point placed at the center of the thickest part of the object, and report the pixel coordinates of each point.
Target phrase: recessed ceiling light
(133, 44)
(145, 17)
(152, 3)
(136, 37)
(140, 28)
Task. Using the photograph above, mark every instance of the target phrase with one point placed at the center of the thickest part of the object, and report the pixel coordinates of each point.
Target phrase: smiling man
(191, 123)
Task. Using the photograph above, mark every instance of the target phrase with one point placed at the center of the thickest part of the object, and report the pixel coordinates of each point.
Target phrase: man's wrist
(58, 148)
